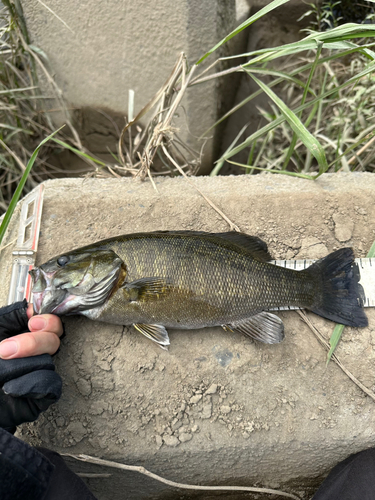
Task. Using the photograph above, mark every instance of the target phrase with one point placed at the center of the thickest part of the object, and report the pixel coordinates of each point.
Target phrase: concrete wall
(116, 45)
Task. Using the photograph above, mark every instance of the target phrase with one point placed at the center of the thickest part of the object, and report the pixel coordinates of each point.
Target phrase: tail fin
(341, 295)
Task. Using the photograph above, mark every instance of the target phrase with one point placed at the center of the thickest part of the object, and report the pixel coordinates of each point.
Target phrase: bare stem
(142, 470)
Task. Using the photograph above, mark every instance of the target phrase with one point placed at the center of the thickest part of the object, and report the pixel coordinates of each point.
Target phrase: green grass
(328, 125)
(323, 127)
(21, 185)
(24, 117)
(330, 75)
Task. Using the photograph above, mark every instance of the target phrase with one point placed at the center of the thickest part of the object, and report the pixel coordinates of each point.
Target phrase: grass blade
(18, 191)
(255, 94)
(284, 172)
(371, 252)
(220, 164)
(304, 96)
(301, 69)
(334, 340)
(78, 152)
(333, 39)
(273, 5)
(298, 127)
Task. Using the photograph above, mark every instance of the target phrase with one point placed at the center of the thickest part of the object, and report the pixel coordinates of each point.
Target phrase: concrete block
(115, 46)
(216, 408)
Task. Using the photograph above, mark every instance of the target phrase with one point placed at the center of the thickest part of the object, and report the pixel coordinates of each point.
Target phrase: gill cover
(76, 281)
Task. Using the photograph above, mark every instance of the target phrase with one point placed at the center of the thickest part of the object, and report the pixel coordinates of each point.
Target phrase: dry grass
(24, 111)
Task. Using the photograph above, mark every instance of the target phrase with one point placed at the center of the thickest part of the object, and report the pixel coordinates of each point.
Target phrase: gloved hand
(28, 385)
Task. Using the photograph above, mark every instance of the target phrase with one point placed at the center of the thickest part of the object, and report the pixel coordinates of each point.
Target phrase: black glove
(28, 386)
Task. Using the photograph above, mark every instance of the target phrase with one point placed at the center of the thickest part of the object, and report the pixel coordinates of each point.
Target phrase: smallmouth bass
(188, 280)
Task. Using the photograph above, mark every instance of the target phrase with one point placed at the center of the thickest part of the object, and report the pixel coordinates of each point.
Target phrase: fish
(194, 279)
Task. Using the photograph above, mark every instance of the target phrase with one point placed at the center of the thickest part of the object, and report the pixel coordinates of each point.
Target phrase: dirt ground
(216, 408)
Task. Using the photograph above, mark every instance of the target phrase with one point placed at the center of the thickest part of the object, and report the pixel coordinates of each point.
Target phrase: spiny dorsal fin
(147, 289)
(156, 333)
(256, 247)
(264, 326)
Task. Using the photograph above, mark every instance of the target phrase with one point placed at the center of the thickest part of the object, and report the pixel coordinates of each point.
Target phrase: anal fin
(264, 326)
(156, 333)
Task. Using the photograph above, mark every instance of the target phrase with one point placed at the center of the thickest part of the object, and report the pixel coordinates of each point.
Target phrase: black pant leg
(352, 479)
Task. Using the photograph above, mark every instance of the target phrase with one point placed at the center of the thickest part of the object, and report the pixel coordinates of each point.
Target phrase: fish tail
(340, 297)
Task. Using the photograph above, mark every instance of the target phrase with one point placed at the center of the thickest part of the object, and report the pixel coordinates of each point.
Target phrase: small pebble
(225, 410)
(171, 441)
(185, 437)
(212, 389)
(195, 399)
(176, 425)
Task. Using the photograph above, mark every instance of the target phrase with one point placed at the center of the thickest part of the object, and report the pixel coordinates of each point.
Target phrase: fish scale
(201, 268)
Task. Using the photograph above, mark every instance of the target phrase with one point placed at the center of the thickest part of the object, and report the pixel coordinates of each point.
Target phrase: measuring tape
(26, 246)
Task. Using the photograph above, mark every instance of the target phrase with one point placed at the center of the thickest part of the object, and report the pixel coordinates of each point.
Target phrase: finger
(11, 369)
(29, 344)
(30, 310)
(43, 384)
(46, 322)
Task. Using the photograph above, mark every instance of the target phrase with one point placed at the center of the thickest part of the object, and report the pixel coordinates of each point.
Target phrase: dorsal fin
(253, 245)
(256, 247)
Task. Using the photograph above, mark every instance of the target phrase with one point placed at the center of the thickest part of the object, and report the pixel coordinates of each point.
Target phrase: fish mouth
(37, 301)
(49, 299)
(45, 297)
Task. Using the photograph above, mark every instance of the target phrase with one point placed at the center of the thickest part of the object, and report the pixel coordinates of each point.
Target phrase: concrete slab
(216, 408)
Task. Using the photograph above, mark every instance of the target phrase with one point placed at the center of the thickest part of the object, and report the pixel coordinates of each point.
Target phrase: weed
(321, 116)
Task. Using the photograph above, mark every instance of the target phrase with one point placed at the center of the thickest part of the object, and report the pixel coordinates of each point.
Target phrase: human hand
(28, 382)
(42, 336)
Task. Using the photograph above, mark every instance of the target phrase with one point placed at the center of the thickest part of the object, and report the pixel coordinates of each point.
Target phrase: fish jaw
(57, 302)
(37, 301)
(48, 301)
(51, 298)
(46, 297)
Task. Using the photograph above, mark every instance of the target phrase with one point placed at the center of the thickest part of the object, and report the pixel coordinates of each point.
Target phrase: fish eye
(63, 260)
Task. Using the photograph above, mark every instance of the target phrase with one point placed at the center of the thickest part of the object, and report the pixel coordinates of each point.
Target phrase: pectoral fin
(147, 289)
(265, 327)
(157, 333)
